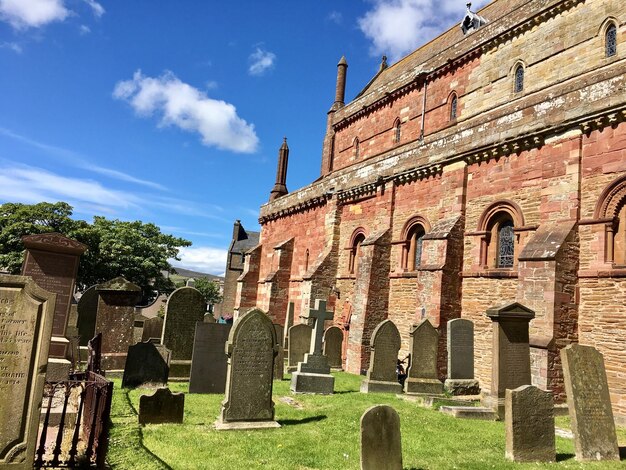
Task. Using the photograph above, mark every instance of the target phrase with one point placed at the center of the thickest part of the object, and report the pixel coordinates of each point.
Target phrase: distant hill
(187, 273)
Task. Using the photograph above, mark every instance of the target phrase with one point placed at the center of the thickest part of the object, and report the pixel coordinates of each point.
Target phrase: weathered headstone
(589, 403)
(381, 375)
(422, 375)
(279, 362)
(73, 337)
(26, 317)
(185, 306)
(333, 341)
(251, 350)
(288, 324)
(115, 320)
(87, 312)
(51, 259)
(511, 352)
(460, 343)
(299, 344)
(209, 318)
(209, 362)
(191, 282)
(146, 365)
(529, 424)
(313, 373)
(162, 406)
(152, 329)
(381, 444)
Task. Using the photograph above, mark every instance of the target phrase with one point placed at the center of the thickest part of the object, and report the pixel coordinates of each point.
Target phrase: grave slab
(209, 363)
(381, 443)
(381, 374)
(161, 407)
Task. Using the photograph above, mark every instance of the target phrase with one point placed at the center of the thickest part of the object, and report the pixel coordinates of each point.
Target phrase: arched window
(519, 79)
(356, 148)
(506, 244)
(398, 132)
(453, 106)
(306, 261)
(610, 40)
(414, 243)
(355, 251)
(499, 240)
(611, 209)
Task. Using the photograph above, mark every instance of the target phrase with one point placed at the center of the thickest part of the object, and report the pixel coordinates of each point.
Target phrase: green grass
(322, 435)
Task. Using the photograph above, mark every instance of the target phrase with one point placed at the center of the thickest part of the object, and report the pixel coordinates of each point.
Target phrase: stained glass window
(356, 148)
(506, 244)
(453, 107)
(418, 249)
(398, 131)
(519, 79)
(611, 41)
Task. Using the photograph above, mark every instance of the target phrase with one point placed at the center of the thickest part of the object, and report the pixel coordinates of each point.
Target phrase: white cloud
(15, 47)
(188, 108)
(202, 258)
(23, 14)
(397, 27)
(84, 29)
(335, 17)
(261, 61)
(98, 10)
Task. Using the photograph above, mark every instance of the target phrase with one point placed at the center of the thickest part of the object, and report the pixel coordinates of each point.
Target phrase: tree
(210, 290)
(136, 250)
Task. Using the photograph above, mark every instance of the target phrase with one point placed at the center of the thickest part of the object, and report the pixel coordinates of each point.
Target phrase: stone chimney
(280, 188)
(340, 90)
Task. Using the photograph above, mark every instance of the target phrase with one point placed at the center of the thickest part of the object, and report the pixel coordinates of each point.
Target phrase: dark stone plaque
(381, 375)
(162, 406)
(146, 365)
(87, 311)
(381, 443)
(333, 341)
(185, 307)
(299, 345)
(209, 362)
(460, 349)
(26, 315)
(152, 328)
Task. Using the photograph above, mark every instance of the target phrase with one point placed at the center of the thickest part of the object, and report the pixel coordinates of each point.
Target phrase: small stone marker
(422, 377)
(162, 406)
(529, 424)
(381, 444)
(152, 329)
(460, 342)
(299, 344)
(279, 361)
(251, 350)
(191, 282)
(185, 306)
(26, 317)
(333, 341)
(381, 375)
(87, 312)
(313, 374)
(511, 352)
(589, 403)
(209, 361)
(146, 365)
(115, 320)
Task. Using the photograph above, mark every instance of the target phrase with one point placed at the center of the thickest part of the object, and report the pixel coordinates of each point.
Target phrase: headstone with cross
(313, 374)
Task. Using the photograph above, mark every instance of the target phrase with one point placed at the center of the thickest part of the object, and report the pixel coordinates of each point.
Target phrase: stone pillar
(280, 187)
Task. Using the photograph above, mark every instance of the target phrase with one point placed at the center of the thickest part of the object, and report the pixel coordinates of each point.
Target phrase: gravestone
(279, 362)
(115, 320)
(152, 330)
(288, 324)
(209, 318)
(185, 307)
(209, 362)
(511, 352)
(313, 373)
(299, 344)
(191, 282)
(385, 345)
(162, 406)
(381, 444)
(26, 317)
(529, 425)
(422, 377)
(460, 343)
(146, 365)
(72, 336)
(333, 341)
(87, 311)
(589, 403)
(251, 350)
(51, 260)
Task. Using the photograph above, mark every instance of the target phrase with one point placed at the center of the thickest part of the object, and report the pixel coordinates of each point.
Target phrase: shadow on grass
(562, 457)
(310, 419)
(341, 392)
(152, 454)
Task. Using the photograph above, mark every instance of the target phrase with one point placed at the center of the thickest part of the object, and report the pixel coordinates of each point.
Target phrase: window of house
(453, 107)
(356, 148)
(611, 41)
(398, 132)
(519, 79)
(506, 244)
(355, 252)
(413, 256)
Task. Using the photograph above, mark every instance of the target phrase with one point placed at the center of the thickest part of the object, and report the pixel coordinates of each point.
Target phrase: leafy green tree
(209, 289)
(136, 250)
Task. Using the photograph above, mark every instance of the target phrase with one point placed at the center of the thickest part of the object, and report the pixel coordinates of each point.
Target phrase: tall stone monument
(381, 375)
(26, 318)
(299, 344)
(511, 352)
(422, 377)
(381, 443)
(87, 313)
(146, 365)
(185, 307)
(115, 320)
(333, 342)
(251, 350)
(209, 362)
(589, 403)
(460, 343)
(52, 261)
(313, 374)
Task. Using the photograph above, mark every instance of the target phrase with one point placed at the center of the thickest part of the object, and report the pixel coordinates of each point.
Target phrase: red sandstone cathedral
(487, 167)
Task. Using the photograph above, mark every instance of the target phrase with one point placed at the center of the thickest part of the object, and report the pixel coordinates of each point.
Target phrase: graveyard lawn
(318, 432)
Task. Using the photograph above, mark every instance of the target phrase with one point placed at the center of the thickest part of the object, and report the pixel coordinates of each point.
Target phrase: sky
(173, 111)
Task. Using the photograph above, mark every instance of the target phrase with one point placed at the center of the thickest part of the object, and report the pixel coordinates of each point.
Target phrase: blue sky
(172, 111)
